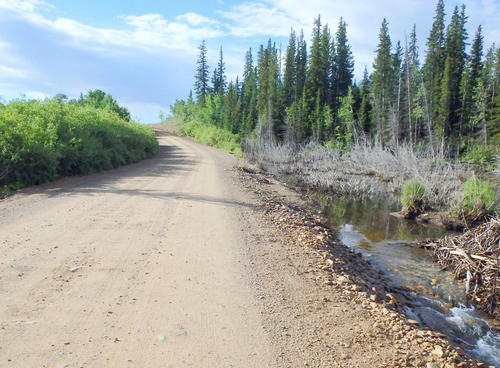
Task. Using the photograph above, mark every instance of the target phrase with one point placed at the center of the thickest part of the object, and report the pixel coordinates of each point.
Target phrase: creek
(367, 227)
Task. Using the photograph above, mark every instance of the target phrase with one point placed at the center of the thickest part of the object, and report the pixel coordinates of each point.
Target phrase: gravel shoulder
(186, 260)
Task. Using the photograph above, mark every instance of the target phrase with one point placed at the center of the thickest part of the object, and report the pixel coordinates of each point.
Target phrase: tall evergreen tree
(470, 81)
(365, 109)
(201, 88)
(268, 81)
(397, 131)
(326, 61)
(231, 109)
(249, 95)
(344, 64)
(316, 82)
(301, 65)
(344, 131)
(219, 77)
(289, 92)
(296, 121)
(491, 77)
(383, 82)
(410, 83)
(450, 101)
(434, 61)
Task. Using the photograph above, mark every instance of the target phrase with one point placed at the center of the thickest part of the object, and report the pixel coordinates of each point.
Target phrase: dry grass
(367, 170)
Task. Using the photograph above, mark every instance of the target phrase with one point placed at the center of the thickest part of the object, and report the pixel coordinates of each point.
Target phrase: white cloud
(196, 20)
(148, 31)
(251, 19)
(36, 95)
(9, 72)
(24, 5)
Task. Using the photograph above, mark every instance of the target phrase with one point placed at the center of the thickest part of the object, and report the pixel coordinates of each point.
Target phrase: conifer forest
(443, 98)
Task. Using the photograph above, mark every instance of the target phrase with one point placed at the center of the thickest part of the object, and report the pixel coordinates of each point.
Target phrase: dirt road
(182, 261)
(136, 267)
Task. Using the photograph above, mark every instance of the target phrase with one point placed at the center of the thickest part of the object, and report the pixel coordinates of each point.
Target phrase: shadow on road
(170, 161)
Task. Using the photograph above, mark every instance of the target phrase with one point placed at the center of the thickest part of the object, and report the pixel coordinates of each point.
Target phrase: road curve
(135, 267)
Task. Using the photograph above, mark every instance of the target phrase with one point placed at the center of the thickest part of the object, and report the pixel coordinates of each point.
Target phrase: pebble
(438, 351)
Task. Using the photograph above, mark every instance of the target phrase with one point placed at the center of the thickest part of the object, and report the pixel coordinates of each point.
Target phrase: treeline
(44, 140)
(309, 93)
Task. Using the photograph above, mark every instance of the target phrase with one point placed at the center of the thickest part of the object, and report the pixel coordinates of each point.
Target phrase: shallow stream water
(368, 227)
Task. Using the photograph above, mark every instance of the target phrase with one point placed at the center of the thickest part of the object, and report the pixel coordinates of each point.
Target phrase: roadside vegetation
(45, 140)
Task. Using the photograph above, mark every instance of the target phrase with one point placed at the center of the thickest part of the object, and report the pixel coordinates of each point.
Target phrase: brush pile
(475, 258)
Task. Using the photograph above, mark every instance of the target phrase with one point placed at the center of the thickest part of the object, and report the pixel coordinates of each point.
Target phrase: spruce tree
(365, 108)
(344, 64)
(318, 65)
(268, 99)
(434, 61)
(344, 131)
(231, 109)
(397, 131)
(410, 82)
(296, 121)
(450, 101)
(470, 81)
(326, 61)
(383, 82)
(289, 92)
(249, 95)
(301, 66)
(219, 77)
(201, 88)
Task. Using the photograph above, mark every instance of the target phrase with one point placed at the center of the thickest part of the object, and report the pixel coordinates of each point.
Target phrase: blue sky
(143, 51)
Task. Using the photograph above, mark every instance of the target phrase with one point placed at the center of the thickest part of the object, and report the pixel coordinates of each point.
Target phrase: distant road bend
(135, 267)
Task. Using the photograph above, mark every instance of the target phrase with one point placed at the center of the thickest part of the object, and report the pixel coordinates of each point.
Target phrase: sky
(143, 52)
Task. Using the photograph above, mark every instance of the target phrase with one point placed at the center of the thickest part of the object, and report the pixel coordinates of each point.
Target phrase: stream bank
(440, 300)
(346, 270)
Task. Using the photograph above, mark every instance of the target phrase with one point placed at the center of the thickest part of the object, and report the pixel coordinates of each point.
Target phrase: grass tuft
(478, 199)
(412, 198)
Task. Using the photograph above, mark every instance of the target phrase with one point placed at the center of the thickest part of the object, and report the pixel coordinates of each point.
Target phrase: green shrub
(40, 141)
(478, 199)
(480, 154)
(412, 198)
(212, 136)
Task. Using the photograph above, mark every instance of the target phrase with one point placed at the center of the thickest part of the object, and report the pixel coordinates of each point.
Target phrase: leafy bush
(478, 199)
(40, 141)
(101, 100)
(212, 136)
(412, 198)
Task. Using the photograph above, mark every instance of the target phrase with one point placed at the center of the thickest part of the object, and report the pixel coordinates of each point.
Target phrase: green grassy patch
(481, 154)
(478, 199)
